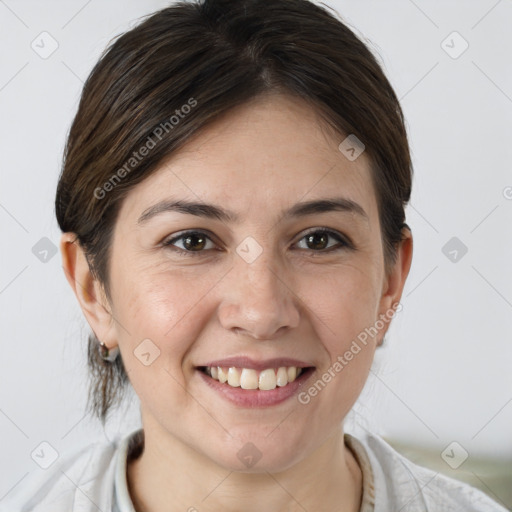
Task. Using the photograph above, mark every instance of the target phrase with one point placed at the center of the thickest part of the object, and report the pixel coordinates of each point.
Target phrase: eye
(193, 242)
(196, 242)
(317, 240)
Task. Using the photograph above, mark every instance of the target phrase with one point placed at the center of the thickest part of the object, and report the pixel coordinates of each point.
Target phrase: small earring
(107, 354)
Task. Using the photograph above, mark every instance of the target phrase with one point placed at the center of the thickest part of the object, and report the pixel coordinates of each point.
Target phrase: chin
(260, 452)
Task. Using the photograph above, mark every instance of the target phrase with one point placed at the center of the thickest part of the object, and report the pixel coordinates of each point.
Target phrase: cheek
(160, 316)
(167, 307)
(344, 312)
(344, 303)
(337, 384)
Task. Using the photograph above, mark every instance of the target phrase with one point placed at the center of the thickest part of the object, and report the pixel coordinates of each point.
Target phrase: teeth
(282, 376)
(222, 375)
(292, 373)
(234, 377)
(248, 378)
(267, 379)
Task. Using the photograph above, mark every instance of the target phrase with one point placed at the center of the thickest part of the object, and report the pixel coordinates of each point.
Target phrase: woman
(232, 207)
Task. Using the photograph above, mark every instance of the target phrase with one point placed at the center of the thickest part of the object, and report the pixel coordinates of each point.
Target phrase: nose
(257, 300)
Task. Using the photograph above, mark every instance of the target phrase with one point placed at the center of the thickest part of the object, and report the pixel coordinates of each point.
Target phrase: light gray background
(446, 372)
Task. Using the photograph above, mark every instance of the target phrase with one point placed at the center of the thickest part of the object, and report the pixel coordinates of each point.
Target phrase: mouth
(250, 378)
(247, 383)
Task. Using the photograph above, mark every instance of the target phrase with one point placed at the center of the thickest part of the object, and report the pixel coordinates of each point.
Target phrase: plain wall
(444, 373)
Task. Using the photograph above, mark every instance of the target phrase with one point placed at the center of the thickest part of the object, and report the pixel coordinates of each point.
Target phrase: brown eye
(318, 240)
(191, 242)
(194, 242)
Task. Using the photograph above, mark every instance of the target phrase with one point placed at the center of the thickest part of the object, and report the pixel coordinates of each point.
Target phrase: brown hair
(181, 68)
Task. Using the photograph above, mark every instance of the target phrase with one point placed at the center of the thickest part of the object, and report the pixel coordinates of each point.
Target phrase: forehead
(271, 152)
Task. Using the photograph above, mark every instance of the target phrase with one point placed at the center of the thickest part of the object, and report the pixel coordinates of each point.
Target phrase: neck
(328, 479)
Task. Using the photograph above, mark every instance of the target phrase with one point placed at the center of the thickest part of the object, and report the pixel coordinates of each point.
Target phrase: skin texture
(297, 299)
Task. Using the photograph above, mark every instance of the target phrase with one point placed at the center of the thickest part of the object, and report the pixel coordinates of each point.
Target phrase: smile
(249, 378)
(253, 382)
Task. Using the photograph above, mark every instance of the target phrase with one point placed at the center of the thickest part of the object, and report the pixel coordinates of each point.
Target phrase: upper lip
(261, 364)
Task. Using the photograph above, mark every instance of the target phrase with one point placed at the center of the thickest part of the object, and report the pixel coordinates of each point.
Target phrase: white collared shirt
(94, 478)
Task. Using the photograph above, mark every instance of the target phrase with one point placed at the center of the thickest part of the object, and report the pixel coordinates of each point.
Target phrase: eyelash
(324, 231)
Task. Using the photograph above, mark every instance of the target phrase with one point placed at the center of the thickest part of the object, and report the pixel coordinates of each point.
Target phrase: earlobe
(87, 289)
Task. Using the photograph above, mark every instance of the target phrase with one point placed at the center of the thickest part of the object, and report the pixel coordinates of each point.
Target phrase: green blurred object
(492, 476)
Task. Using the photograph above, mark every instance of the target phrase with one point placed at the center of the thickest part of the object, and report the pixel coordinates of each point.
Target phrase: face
(266, 287)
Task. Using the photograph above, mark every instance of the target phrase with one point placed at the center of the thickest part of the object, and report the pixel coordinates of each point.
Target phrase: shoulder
(82, 480)
(399, 482)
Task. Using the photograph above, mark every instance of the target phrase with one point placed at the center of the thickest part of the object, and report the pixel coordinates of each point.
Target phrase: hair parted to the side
(216, 55)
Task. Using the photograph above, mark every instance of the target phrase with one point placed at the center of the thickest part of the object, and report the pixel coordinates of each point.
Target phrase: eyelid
(168, 241)
(342, 239)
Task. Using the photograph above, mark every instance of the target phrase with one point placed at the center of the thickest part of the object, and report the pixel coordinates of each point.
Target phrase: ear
(395, 281)
(88, 290)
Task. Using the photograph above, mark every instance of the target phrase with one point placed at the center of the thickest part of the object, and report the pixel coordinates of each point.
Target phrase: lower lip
(257, 397)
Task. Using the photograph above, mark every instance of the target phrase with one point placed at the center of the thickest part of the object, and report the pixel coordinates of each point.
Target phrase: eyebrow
(211, 211)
